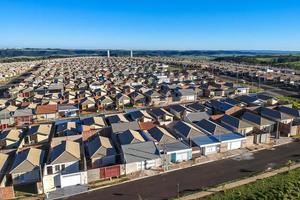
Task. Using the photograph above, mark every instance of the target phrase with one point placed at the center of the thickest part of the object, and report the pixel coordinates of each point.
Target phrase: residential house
(105, 103)
(185, 95)
(161, 115)
(37, 134)
(23, 117)
(140, 116)
(101, 151)
(137, 99)
(179, 111)
(140, 156)
(67, 128)
(68, 110)
(130, 137)
(46, 112)
(236, 125)
(10, 138)
(27, 166)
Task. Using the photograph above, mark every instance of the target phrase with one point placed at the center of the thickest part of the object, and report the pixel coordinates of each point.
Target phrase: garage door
(234, 145)
(182, 156)
(70, 179)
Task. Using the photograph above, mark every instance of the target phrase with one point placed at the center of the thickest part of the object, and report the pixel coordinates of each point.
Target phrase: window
(63, 167)
(57, 167)
(49, 170)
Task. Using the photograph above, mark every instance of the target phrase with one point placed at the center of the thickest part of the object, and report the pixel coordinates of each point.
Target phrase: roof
(67, 107)
(231, 101)
(130, 136)
(161, 135)
(205, 140)
(184, 129)
(46, 109)
(138, 152)
(211, 127)
(274, 114)
(178, 108)
(256, 119)
(248, 99)
(11, 134)
(197, 116)
(100, 146)
(197, 106)
(186, 92)
(42, 129)
(121, 127)
(234, 122)
(112, 119)
(221, 106)
(139, 114)
(93, 121)
(159, 112)
(291, 111)
(27, 160)
(67, 151)
(172, 147)
(230, 136)
(23, 113)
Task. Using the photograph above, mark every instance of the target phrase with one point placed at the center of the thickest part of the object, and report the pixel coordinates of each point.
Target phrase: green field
(287, 61)
(281, 186)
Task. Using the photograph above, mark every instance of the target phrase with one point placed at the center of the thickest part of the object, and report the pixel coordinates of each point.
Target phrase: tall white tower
(108, 54)
(131, 54)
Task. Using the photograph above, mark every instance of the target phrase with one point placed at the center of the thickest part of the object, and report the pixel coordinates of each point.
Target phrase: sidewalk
(238, 183)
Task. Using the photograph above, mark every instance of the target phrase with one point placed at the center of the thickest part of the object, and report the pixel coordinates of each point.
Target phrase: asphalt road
(190, 179)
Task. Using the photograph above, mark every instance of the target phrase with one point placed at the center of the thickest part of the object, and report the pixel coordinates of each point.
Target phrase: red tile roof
(46, 109)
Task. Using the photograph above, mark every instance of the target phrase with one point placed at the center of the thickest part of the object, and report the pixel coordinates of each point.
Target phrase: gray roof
(291, 111)
(234, 122)
(23, 113)
(171, 147)
(184, 129)
(138, 152)
(211, 127)
(121, 127)
(256, 119)
(274, 114)
(197, 116)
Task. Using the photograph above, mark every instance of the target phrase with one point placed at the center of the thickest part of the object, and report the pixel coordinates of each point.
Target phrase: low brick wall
(7, 192)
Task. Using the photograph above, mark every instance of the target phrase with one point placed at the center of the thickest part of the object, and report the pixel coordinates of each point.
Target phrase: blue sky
(151, 24)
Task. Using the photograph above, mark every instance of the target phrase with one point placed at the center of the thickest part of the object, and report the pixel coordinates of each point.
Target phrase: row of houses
(76, 151)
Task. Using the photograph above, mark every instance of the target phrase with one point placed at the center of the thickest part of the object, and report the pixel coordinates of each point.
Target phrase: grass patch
(102, 183)
(282, 186)
(290, 100)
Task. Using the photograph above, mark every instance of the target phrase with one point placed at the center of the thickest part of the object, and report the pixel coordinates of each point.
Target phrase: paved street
(190, 179)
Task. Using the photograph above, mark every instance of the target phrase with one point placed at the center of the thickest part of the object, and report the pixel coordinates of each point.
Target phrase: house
(153, 97)
(237, 125)
(140, 116)
(88, 104)
(184, 130)
(37, 134)
(46, 112)
(137, 99)
(175, 150)
(23, 117)
(228, 140)
(63, 166)
(68, 110)
(185, 95)
(161, 115)
(266, 99)
(198, 107)
(284, 122)
(94, 123)
(290, 111)
(10, 138)
(105, 102)
(178, 110)
(262, 127)
(101, 151)
(122, 100)
(6, 119)
(140, 156)
(259, 122)
(27, 166)
(220, 107)
(249, 100)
